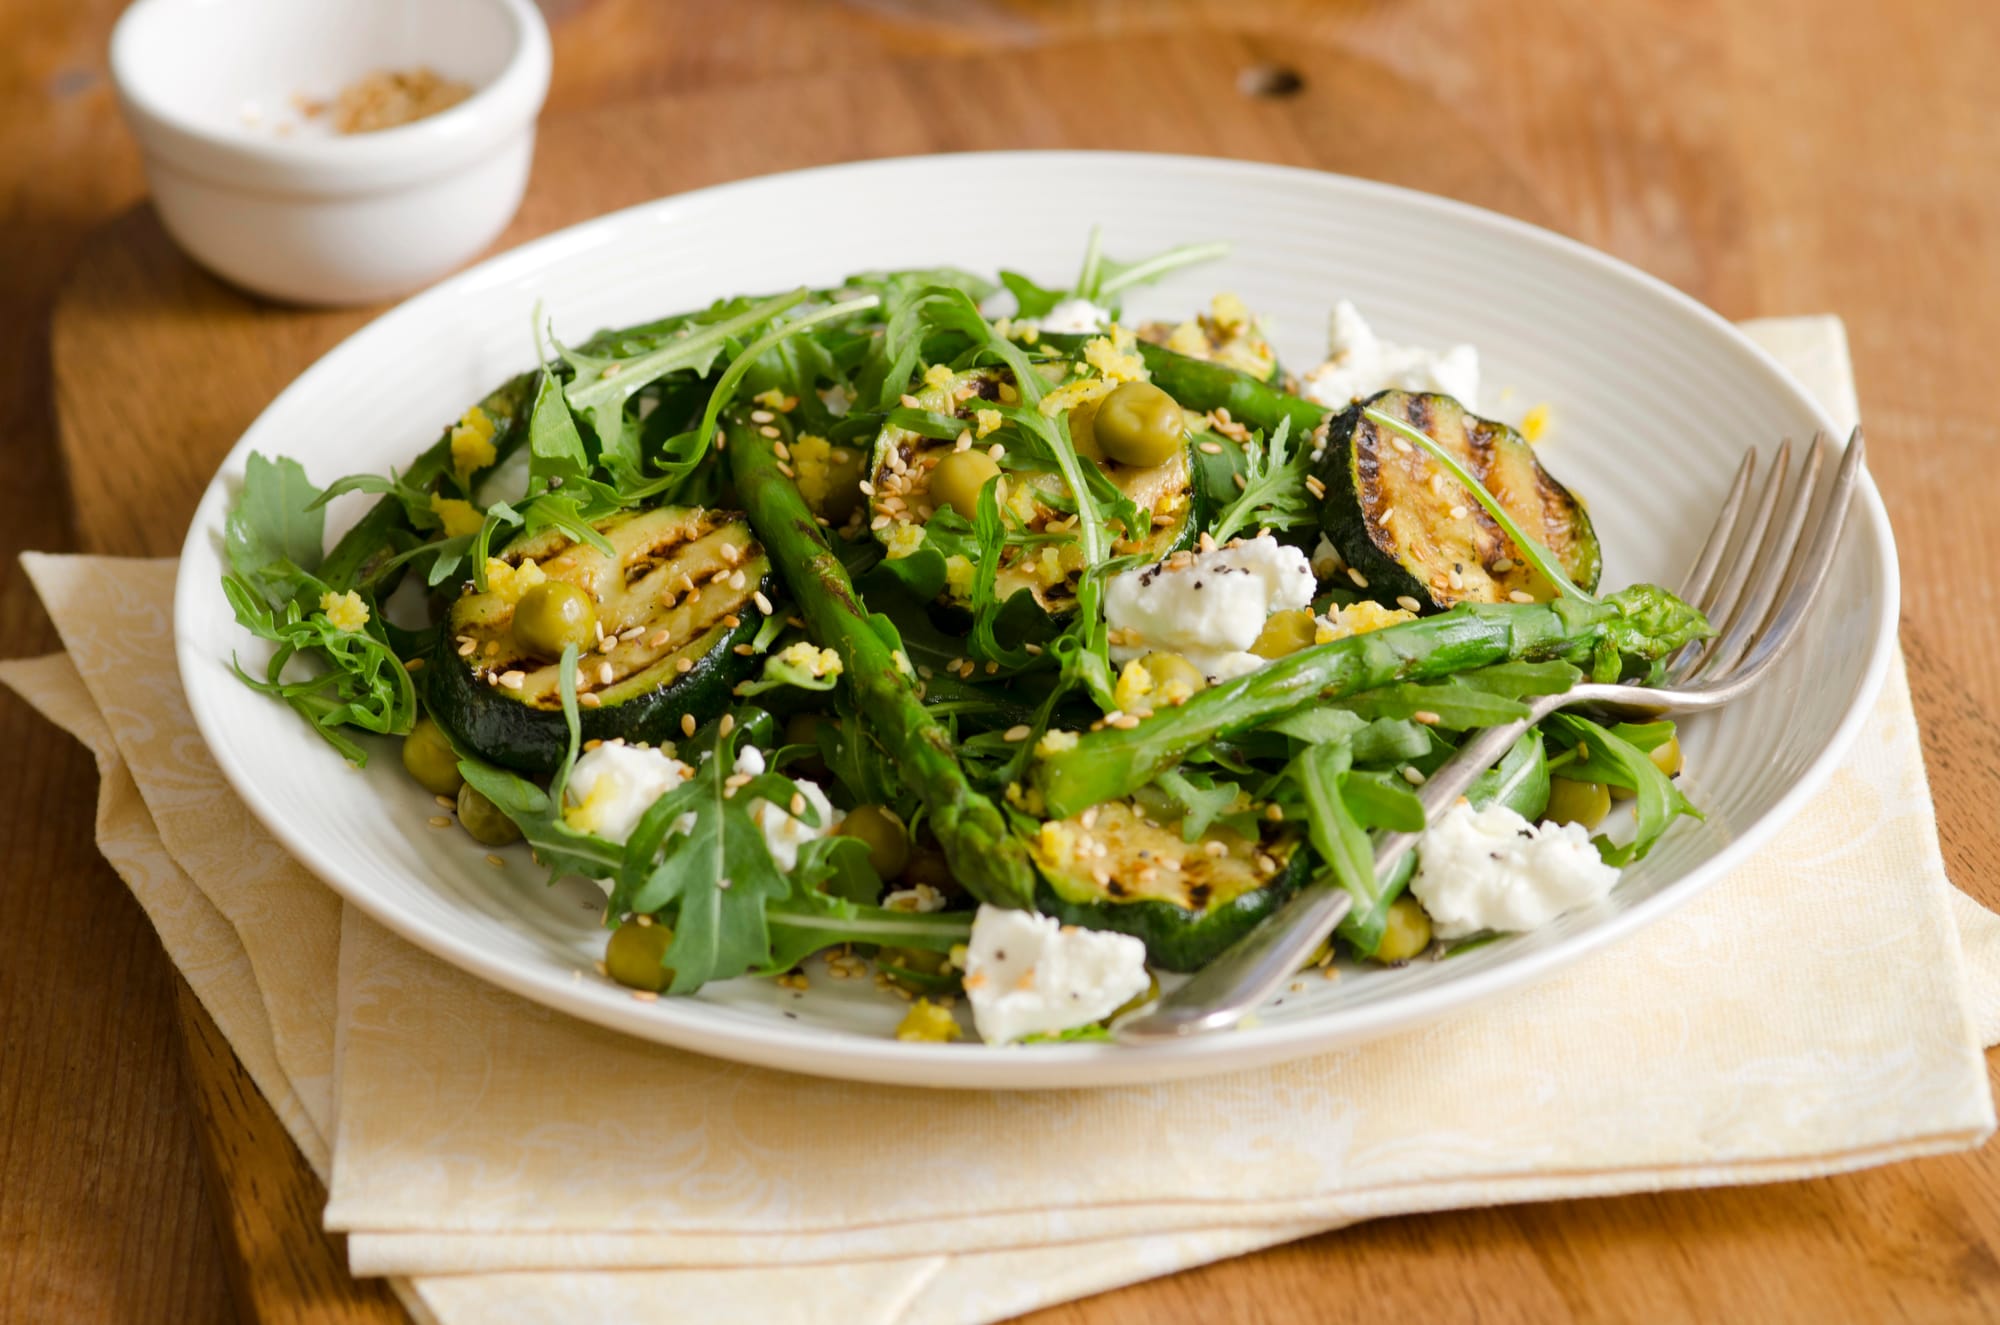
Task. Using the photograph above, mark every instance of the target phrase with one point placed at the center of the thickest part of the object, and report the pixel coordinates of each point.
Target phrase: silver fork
(1755, 578)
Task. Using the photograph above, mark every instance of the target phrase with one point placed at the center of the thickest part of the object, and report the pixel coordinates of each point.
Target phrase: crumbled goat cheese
(1209, 607)
(613, 786)
(1491, 869)
(1073, 317)
(1026, 974)
(1358, 364)
(783, 834)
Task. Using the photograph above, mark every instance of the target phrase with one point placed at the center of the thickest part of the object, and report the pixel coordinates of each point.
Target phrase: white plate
(1654, 400)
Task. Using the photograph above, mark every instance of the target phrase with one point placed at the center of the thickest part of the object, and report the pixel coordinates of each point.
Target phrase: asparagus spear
(985, 856)
(1201, 385)
(1642, 622)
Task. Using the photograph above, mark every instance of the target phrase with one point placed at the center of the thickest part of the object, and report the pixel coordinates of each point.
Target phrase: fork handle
(1259, 964)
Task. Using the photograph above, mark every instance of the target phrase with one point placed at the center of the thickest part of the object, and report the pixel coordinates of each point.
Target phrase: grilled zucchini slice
(1115, 867)
(673, 600)
(1414, 531)
(1226, 334)
(900, 468)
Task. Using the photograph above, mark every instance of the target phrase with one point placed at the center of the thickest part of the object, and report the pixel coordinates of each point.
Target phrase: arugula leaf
(1453, 706)
(1613, 759)
(1274, 493)
(1030, 299)
(1201, 798)
(275, 534)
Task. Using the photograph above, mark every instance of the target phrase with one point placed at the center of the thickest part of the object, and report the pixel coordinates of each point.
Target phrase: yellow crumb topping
(510, 582)
(927, 1022)
(812, 461)
(472, 443)
(1231, 314)
(458, 517)
(938, 375)
(1134, 686)
(811, 659)
(345, 610)
(1187, 338)
(959, 573)
(905, 540)
(988, 421)
(1535, 423)
(1054, 742)
(1118, 363)
(1358, 619)
(777, 400)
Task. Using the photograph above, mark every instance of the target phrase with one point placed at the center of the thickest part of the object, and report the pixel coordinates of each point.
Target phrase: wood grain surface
(1770, 157)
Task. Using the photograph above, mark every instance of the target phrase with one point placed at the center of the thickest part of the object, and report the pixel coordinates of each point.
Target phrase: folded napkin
(498, 1159)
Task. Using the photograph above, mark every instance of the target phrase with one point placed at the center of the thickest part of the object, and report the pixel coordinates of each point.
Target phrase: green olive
(1083, 430)
(1666, 757)
(1573, 802)
(928, 865)
(553, 615)
(482, 818)
(958, 478)
(844, 469)
(1406, 931)
(1286, 632)
(431, 760)
(1174, 678)
(1139, 424)
(888, 841)
(634, 952)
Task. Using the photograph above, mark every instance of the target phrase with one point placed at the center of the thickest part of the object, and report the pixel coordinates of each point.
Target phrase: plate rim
(814, 1051)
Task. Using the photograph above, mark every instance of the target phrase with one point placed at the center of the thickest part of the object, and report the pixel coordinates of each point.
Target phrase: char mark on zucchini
(657, 624)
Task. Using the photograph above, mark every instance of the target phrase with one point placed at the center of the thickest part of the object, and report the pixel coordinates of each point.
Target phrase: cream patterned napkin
(492, 1154)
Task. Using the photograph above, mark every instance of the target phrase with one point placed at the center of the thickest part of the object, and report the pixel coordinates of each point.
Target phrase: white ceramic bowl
(1624, 361)
(279, 204)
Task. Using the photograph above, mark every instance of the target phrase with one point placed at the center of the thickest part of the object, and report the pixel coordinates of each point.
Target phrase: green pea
(1406, 932)
(1666, 757)
(958, 478)
(1574, 802)
(430, 759)
(887, 840)
(483, 819)
(553, 615)
(1139, 424)
(1286, 633)
(633, 954)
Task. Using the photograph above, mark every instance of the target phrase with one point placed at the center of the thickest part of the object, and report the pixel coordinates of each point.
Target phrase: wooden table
(1773, 157)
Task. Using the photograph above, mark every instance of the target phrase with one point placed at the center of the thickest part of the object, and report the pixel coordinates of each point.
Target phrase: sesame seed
(494, 860)
(1016, 733)
(414, 665)
(1314, 486)
(605, 673)
(1458, 512)
(1275, 813)
(1387, 518)
(439, 821)
(465, 647)
(1241, 482)
(1125, 721)
(1519, 596)
(687, 724)
(786, 470)
(731, 553)
(683, 666)
(446, 801)
(722, 882)
(645, 996)
(798, 803)
(867, 488)
(744, 650)
(1413, 775)
(1399, 444)
(1266, 862)
(1211, 448)
(1426, 717)
(589, 701)
(1408, 604)
(761, 416)
(1503, 565)
(768, 431)
(1360, 580)
(879, 523)
(513, 680)
(909, 401)
(763, 603)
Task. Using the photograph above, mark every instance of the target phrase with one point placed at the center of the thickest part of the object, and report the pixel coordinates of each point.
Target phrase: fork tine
(1701, 576)
(1721, 606)
(1702, 573)
(1811, 567)
(1775, 560)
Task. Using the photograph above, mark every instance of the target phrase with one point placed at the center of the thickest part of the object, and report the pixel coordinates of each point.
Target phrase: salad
(956, 635)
